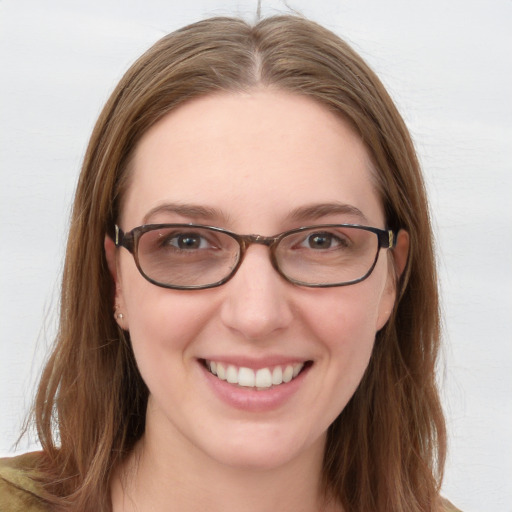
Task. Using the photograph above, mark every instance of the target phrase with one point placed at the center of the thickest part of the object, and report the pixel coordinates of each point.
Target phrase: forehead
(250, 156)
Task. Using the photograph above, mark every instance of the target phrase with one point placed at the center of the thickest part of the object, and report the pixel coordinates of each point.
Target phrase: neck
(168, 474)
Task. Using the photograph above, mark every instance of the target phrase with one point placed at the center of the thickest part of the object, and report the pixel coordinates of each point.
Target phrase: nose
(257, 301)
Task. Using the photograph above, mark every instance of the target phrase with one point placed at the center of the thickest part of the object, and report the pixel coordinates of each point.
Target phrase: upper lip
(256, 363)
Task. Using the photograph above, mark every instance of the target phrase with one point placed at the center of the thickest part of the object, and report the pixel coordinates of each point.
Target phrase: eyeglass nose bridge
(248, 240)
(245, 241)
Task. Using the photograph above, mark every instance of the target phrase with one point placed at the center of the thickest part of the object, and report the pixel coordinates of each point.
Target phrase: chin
(266, 451)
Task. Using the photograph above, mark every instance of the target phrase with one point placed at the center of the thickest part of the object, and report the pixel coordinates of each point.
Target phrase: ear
(397, 266)
(401, 252)
(111, 253)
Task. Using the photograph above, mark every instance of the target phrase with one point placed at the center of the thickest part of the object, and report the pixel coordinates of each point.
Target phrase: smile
(262, 378)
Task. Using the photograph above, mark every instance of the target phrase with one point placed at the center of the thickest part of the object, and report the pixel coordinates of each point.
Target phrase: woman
(249, 314)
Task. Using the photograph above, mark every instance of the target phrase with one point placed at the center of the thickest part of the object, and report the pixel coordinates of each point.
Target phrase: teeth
(263, 378)
(232, 374)
(288, 373)
(246, 377)
(277, 376)
(221, 371)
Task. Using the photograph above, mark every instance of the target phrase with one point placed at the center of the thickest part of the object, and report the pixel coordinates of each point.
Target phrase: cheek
(162, 323)
(346, 316)
(153, 312)
(163, 319)
(345, 321)
(163, 329)
(349, 334)
(343, 327)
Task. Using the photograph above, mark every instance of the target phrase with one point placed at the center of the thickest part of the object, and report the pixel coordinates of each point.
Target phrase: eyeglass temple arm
(122, 239)
(387, 239)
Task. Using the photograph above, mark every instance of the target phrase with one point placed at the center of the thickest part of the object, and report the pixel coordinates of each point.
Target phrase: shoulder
(446, 506)
(19, 491)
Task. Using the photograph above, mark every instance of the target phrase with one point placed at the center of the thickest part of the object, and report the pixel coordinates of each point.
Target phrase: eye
(186, 241)
(323, 240)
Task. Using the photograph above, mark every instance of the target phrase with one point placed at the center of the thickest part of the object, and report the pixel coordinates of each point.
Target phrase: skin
(252, 158)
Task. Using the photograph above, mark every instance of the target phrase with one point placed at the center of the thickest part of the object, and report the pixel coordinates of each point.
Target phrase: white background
(447, 63)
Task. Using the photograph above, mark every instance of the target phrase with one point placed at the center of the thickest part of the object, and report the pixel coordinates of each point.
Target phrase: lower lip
(252, 399)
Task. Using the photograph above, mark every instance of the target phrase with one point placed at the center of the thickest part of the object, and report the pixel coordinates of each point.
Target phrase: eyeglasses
(192, 257)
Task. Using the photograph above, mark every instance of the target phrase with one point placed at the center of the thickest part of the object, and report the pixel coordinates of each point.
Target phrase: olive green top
(20, 492)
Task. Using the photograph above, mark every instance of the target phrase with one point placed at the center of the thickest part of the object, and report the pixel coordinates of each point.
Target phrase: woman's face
(261, 162)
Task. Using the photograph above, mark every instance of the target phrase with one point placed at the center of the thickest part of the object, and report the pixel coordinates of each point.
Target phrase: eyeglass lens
(197, 256)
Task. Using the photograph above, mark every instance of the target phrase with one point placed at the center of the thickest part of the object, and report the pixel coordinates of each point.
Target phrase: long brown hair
(386, 450)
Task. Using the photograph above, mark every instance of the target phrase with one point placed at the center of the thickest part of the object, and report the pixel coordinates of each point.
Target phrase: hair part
(386, 450)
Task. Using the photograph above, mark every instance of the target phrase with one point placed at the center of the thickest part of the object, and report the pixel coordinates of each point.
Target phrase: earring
(117, 316)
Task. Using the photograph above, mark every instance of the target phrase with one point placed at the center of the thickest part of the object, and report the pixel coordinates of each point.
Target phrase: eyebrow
(300, 214)
(317, 211)
(191, 211)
